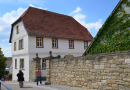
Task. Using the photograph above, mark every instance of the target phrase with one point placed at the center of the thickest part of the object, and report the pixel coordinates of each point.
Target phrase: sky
(89, 13)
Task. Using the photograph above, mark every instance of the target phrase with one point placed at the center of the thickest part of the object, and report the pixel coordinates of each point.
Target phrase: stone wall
(103, 71)
(33, 65)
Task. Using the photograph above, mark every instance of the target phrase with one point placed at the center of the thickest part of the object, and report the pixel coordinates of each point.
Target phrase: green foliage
(114, 35)
(2, 62)
(57, 57)
(9, 75)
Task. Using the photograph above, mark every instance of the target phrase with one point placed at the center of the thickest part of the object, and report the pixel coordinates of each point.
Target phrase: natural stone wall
(33, 65)
(99, 72)
(32, 70)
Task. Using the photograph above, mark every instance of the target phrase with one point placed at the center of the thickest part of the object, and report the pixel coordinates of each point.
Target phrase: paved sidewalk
(32, 86)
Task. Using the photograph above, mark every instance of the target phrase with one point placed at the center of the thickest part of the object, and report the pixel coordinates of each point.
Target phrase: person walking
(38, 75)
(20, 78)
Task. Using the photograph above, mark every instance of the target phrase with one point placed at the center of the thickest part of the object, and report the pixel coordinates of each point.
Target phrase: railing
(4, 85)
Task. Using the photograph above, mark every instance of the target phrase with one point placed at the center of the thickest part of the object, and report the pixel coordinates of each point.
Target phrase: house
(40, 31)
(9, 64)
(114, 35)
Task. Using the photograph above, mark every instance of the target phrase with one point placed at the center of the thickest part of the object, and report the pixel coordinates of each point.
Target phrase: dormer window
(17, 29)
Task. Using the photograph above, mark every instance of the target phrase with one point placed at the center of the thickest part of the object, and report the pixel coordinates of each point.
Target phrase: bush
(58, 56)
(9, 75)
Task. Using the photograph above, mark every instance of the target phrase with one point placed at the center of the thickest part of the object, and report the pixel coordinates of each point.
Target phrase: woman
(20, 78)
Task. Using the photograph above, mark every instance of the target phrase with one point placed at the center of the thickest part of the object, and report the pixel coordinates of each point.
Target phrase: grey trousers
(21, 84)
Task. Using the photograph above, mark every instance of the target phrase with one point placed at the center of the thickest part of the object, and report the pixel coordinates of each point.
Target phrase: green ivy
(114, 35)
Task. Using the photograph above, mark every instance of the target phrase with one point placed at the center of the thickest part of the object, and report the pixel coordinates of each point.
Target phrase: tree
(2, 62)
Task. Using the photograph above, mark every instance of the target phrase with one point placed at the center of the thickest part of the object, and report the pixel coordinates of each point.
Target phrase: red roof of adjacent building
(50, 24)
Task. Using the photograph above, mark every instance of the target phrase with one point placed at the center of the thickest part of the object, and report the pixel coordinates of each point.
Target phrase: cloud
(81, 19)
(97, 25)
(5, 28)
(6, 50)
(5, 40)
(37, 7)
(7, 19)
(78, 9)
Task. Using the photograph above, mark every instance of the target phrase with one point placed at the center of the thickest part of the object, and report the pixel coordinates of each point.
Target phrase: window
(44, 64)
(54, 43)
(14, 46)
(85, 44)
(71, 44)
(15, 63)
(21, 63)
(20, 44)
(17, 29)
(39, 42)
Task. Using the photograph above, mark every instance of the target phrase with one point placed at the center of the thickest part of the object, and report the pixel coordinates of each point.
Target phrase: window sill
(54, 48)
(20, 49)
(71, 48)
(21, 68)
(39, 47)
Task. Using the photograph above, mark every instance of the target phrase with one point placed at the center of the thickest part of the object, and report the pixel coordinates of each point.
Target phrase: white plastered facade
(29, 49)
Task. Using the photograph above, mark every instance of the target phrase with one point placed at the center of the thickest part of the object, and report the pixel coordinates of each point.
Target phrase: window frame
(56, 43)
(23, 64)
(14, 46)
(20, 44)
(84, 44)
(15, 63)
(44, 64)
(17, 29)
(41, 42)
(73, 44)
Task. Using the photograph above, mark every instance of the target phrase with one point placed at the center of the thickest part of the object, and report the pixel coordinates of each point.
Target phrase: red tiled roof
(9, 59)
(50, 24)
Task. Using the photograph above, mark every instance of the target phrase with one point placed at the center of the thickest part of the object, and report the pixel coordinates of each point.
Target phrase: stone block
(126, 70)
(103, 81)
(96, 66)
(126, 79)
(103, 74)
(112, 61)
(109, 81)
(101, 66)
(108, 88)
(116, 74)
(94, 86)
(127, 60)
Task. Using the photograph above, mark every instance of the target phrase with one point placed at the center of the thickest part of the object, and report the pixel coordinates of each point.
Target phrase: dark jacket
(20, 76)
(0, 76)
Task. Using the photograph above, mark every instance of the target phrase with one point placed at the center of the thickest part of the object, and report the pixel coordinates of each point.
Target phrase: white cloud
(97, 25)
(37, 7)
(5, 40)
(9, 18)
(6, 50)
(5, 28)
(31, 5)
(78, 9)
(81, 19)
